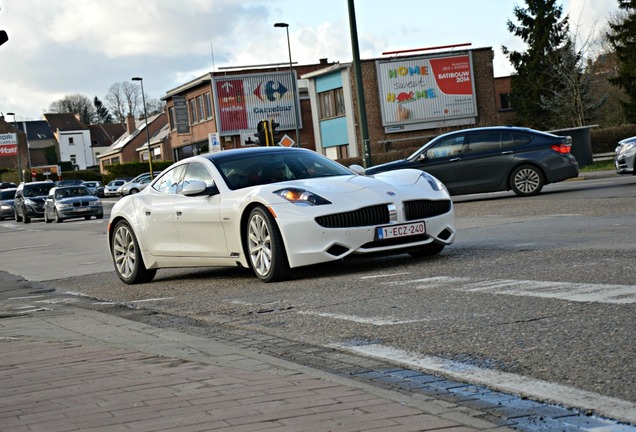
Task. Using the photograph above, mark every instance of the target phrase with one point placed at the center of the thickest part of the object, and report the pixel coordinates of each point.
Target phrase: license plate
(82, 209)
(404, 230)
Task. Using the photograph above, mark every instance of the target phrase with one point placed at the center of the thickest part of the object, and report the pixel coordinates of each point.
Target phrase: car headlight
(29, 202)
(97, 203)
(64, 205)
(435, 183)
(302, 197)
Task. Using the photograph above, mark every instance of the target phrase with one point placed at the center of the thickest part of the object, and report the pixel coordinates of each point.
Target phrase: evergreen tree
(102, 115)
(622, 38)
(540, 26)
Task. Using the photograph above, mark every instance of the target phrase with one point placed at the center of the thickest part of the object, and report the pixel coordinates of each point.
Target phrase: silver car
(111, 188)
(137, 184)
(625, 156)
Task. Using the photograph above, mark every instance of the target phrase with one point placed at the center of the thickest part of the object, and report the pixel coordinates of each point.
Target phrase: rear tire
(526, 180)
(265, 247)
(129, 264)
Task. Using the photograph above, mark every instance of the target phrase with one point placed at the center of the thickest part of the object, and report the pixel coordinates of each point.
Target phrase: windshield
(36, 191)
(242, 171)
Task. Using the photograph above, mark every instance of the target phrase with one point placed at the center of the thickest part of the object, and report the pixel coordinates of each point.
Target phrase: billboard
(426, 92)
(8, 144)
(181, 114)
(244, 100)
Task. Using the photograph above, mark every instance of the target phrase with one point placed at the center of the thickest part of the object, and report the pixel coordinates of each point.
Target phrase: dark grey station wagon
(493, 159)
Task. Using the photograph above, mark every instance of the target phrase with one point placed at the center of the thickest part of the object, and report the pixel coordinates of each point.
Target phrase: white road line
(385, 275)
(151, 300)
(361, 320)
(579, 292)
(510, 383)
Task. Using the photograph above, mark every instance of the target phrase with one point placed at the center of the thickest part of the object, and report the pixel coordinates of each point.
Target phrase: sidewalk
(70, 369)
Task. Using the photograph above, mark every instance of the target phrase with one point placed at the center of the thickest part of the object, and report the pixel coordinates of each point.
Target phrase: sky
(66, 47)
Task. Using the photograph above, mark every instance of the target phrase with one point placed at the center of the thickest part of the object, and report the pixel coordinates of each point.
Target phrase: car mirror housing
(357, 169)
(199, 187)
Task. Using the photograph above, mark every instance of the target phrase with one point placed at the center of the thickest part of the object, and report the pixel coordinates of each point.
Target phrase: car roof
(250, 151)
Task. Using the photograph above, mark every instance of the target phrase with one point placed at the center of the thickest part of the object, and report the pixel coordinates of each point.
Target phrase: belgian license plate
(403, 230)
(82, 209)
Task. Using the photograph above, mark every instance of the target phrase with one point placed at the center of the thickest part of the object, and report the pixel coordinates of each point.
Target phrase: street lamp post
(17, 144)
(291, 75)
(143, 99)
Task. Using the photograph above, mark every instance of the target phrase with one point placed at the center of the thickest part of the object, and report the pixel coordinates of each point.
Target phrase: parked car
(273, 209)
(6, 203)
(493, 159)
(69, 202)
(625, 156)
(69, 182)
(29, 200)
(92, 186)
(112, 187)
(8, 185)
(137, 184)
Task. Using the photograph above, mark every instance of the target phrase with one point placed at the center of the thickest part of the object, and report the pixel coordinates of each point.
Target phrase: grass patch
(599, 166)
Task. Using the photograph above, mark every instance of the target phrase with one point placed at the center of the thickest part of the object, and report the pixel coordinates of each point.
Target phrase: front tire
(46, 217)
(265, 247)
(16, 216)
(129, 264)
(58, 219)
(526, 180)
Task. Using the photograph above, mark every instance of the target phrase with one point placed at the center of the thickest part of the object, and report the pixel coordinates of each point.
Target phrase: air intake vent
(368, 216)
(423, 209)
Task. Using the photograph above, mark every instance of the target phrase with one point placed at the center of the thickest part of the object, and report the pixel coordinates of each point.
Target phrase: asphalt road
(537, 295)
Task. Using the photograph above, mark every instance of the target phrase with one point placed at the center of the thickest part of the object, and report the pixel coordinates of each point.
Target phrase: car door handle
(147, 213)
(179, 213)
(507, 152)
(455, 159)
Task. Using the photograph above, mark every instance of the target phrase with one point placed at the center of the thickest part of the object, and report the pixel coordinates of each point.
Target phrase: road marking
(151, 300)
(385, 275)
(502, 381)
(579, 292)
(361, 320)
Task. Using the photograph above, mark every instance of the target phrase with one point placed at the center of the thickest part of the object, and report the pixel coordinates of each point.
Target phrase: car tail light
(563, 148)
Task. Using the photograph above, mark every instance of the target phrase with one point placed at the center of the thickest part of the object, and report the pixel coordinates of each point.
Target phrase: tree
(545, 33)
(124, 98)
(75, 104)
(102, 116)
(622, 38)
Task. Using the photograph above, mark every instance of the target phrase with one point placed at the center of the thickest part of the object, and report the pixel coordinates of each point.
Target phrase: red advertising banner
(453, 75)
(8, 150)
(231, 99)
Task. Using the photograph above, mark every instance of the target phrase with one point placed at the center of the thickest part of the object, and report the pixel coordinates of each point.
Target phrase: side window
(169, 181)
(521, 138)
(448, 147)
(484, 142)
(197, 171)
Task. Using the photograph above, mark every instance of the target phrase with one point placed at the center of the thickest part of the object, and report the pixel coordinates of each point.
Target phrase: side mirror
(199, 187)
(357, 169)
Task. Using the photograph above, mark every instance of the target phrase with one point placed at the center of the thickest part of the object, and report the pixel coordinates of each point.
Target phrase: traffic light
(275, 137)
(265, 132)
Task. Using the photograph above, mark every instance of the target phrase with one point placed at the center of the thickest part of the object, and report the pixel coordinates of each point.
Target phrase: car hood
(72, 200)
(348, 190)
(398, 164)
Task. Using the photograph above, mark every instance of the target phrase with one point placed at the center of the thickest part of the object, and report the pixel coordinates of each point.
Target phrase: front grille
(422, 209)
(368, 216)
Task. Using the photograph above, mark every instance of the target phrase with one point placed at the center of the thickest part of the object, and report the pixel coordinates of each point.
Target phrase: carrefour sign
(8, 144)
(245, 100)
(425, 91)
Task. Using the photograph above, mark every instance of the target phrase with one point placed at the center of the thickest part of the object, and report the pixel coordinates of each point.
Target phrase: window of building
(193, 111)
(504, 99)
(201, 108)
(73, 159)
(70, 141)
(208, 105)
(171, 118)
(331, 103)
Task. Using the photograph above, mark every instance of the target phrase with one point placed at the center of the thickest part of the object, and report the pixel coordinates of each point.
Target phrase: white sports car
(273, 209)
